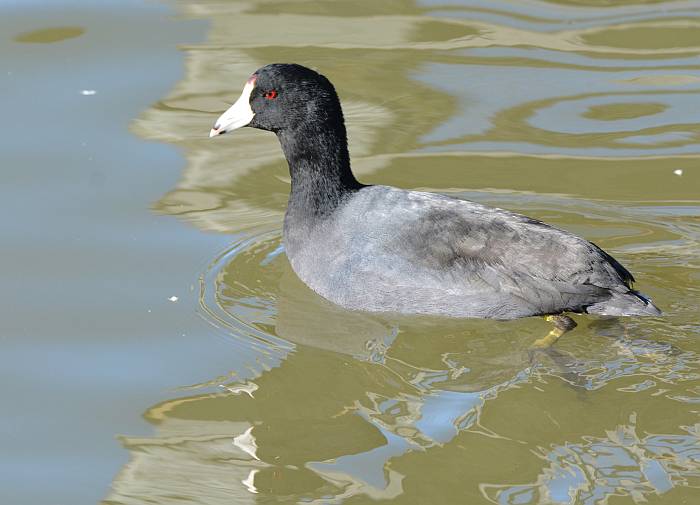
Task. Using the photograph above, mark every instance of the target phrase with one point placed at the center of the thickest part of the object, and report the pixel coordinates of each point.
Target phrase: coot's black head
(283, 96)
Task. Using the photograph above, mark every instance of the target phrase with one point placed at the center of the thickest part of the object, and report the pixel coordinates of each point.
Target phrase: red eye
(270, 95)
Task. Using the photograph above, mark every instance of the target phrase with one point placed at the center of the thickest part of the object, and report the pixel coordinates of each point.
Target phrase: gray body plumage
(385, 249)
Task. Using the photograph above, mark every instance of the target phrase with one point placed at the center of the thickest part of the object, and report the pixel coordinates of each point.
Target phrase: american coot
(384, 249)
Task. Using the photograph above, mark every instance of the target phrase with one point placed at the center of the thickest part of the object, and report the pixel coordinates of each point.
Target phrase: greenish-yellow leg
(562, 324)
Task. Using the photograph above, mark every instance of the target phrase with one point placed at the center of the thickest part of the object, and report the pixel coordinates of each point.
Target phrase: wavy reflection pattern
(619, 464)
(581, 113)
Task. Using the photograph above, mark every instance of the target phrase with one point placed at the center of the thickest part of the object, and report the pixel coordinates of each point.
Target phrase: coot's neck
(319, 165)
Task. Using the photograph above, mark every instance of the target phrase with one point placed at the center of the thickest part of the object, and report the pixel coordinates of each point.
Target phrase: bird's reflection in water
(416, 413)
(348, 395)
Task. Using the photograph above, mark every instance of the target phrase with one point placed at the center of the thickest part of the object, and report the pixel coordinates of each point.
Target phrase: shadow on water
(576, 113)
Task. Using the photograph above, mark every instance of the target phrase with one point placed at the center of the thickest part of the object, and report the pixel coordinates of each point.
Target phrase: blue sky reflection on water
(619, 464)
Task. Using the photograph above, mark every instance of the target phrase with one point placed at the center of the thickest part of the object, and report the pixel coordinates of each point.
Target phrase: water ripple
(620, 464)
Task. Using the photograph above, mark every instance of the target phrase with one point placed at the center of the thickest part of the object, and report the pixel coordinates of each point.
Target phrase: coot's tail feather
(632, 303)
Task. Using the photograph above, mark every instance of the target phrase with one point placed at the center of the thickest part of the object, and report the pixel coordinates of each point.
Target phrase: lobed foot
(562, 324)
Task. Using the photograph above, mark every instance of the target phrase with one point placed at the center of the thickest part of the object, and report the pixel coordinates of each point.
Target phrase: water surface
(255, 390)
(580, 115)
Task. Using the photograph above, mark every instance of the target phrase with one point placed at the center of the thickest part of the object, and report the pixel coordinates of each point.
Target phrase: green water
(157, 347)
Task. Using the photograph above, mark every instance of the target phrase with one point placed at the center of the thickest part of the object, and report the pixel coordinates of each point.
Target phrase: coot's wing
(488, 249)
